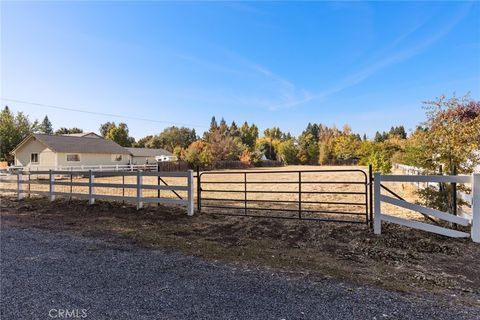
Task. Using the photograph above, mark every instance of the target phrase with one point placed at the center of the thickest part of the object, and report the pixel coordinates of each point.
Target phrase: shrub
(380, 162)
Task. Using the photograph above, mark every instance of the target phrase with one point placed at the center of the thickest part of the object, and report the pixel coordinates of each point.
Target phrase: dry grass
(269, 181)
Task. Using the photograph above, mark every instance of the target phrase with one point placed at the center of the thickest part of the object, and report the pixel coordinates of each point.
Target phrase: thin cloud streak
(364, 74)
(288, 95)
(286, 91)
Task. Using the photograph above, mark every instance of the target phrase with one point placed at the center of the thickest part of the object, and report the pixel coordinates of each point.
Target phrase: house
(45, 151)
(148, 156)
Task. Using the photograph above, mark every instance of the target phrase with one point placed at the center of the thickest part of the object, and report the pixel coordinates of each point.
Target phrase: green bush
(380, 162)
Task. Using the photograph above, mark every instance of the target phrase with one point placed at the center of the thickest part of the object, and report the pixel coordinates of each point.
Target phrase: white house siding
(46, 157)
(91, 159)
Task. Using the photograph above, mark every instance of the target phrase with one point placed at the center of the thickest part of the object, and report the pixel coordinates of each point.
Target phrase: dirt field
(277, 182)
(400, 259)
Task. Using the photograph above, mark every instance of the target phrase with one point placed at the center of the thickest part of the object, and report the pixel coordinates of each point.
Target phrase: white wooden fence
(474, 222)
(138, 199)
(410, 170)
(99, 167)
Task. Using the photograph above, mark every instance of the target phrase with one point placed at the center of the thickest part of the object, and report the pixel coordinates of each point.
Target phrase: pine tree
(378, 137)
(213, 124)
(46, 126)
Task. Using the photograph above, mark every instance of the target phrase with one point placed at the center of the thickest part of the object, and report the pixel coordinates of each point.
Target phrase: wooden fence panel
(380, 216)
(138, 199)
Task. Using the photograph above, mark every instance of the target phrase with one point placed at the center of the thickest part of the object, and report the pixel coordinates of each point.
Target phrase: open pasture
(331, 194)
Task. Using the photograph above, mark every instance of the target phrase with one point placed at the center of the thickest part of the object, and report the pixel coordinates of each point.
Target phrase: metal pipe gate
(238, 190)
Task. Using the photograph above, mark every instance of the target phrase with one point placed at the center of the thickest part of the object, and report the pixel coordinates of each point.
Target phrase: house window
(73, 157)
(117, 157)
(34, 157)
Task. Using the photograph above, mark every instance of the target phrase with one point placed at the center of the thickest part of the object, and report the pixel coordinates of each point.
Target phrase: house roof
(83, 134)
(147, 152)
(74, 144)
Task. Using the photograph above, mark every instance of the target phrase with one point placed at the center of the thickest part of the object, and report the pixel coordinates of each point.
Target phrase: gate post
(370, 196)
(377, 222)
(476, 207)
(199, 191)
(190, 193)
(299, 194)
(245, 191)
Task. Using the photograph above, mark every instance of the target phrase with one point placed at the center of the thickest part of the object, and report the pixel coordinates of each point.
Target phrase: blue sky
(276, 64)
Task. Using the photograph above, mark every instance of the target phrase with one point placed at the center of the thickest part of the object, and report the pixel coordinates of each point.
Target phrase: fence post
(91, 198)
(29, 183)
(158, 191)
(190, 193)
(71, 186)
(476, 207)
(52, 185)
(245, 191)
(20, 194)
(139, 190)
(370, 189)
(199, 191)
(454, 192)
(299, 194)
(377, 219)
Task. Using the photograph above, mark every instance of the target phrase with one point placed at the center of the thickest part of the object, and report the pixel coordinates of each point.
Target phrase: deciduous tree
(119, 134)
(173, 137)
(64, 130)
(13, 129)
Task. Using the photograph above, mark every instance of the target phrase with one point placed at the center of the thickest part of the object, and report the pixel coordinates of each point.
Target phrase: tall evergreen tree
(249, 134)
(45, 126)
(233, 130)
(213, 124)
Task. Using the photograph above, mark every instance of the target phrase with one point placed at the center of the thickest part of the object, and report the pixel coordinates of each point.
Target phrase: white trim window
(74, 157)
(34, 157)
(117, 157)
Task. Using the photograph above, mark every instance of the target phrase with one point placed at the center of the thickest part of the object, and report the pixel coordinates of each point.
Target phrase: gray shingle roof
(147, 152)
(80, 144)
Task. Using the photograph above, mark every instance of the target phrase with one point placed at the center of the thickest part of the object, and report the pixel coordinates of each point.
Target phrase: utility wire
(100, 113)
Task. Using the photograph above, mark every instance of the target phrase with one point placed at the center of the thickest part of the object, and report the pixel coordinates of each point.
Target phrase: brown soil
(400, 259)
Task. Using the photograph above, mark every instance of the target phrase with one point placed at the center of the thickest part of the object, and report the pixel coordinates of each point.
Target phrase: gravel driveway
(45, 274)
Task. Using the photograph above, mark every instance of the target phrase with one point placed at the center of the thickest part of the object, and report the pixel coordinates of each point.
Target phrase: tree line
(450, 136)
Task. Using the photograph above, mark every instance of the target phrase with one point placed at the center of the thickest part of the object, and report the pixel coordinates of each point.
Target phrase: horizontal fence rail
(235, 195)
(85, 168)
(139, 199)
(380, 215)
(410, 170)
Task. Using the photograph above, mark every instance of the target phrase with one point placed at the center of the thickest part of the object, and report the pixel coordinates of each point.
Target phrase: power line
(101, 113)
